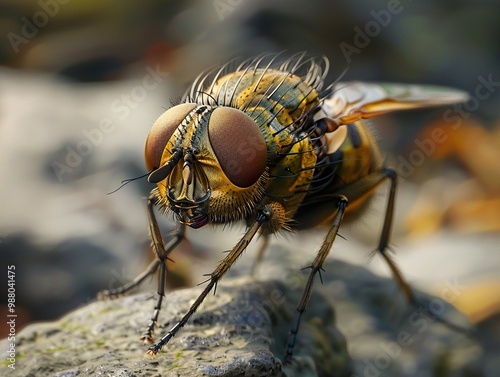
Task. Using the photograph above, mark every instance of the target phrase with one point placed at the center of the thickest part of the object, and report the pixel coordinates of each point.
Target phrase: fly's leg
(260, 254)
(162, 251)
(159, 249)
(366, 186)
(262, 217)
(383, 247)
(315, 267)
(151, 269)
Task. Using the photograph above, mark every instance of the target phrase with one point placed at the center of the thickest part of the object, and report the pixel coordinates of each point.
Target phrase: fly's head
(209, 163)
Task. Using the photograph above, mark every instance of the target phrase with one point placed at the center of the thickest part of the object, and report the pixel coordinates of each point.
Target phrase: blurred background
(82, 82)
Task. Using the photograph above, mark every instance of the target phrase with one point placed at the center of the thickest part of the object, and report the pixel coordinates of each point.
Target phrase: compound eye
(238, 144)
(161, 132)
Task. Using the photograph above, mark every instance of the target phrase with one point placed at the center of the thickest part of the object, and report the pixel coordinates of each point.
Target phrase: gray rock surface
(242, 330)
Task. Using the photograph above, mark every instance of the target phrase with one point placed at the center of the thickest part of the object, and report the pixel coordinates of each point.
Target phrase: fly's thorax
(286, 96)
(223, 163)
(278, 139)
(291, 177)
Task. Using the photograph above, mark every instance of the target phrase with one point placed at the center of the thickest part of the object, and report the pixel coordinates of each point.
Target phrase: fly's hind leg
(161, 251)
(383, 247)
(367, 185)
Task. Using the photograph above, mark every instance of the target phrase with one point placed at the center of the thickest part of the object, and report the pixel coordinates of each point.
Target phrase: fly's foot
(148, 337)
(153, 351)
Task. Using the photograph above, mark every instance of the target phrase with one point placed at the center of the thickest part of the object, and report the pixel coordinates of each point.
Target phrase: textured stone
(241, 331)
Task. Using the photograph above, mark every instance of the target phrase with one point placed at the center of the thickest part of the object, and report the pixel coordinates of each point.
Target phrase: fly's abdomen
(351, 156)
(358, 156)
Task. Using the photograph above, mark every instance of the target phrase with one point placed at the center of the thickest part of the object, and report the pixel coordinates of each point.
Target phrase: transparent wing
(352, 101)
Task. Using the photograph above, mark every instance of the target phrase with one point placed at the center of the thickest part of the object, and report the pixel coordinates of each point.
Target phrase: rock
(241, 331)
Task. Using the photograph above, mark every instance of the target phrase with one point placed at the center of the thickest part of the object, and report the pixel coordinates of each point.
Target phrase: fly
(265, 143)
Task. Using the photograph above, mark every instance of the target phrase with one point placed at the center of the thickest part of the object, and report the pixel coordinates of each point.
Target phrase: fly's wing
(352, 101)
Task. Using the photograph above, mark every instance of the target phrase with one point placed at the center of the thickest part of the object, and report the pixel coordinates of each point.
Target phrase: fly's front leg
(162, 251)
(159, 250)
(315, 267)
(262, 217)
